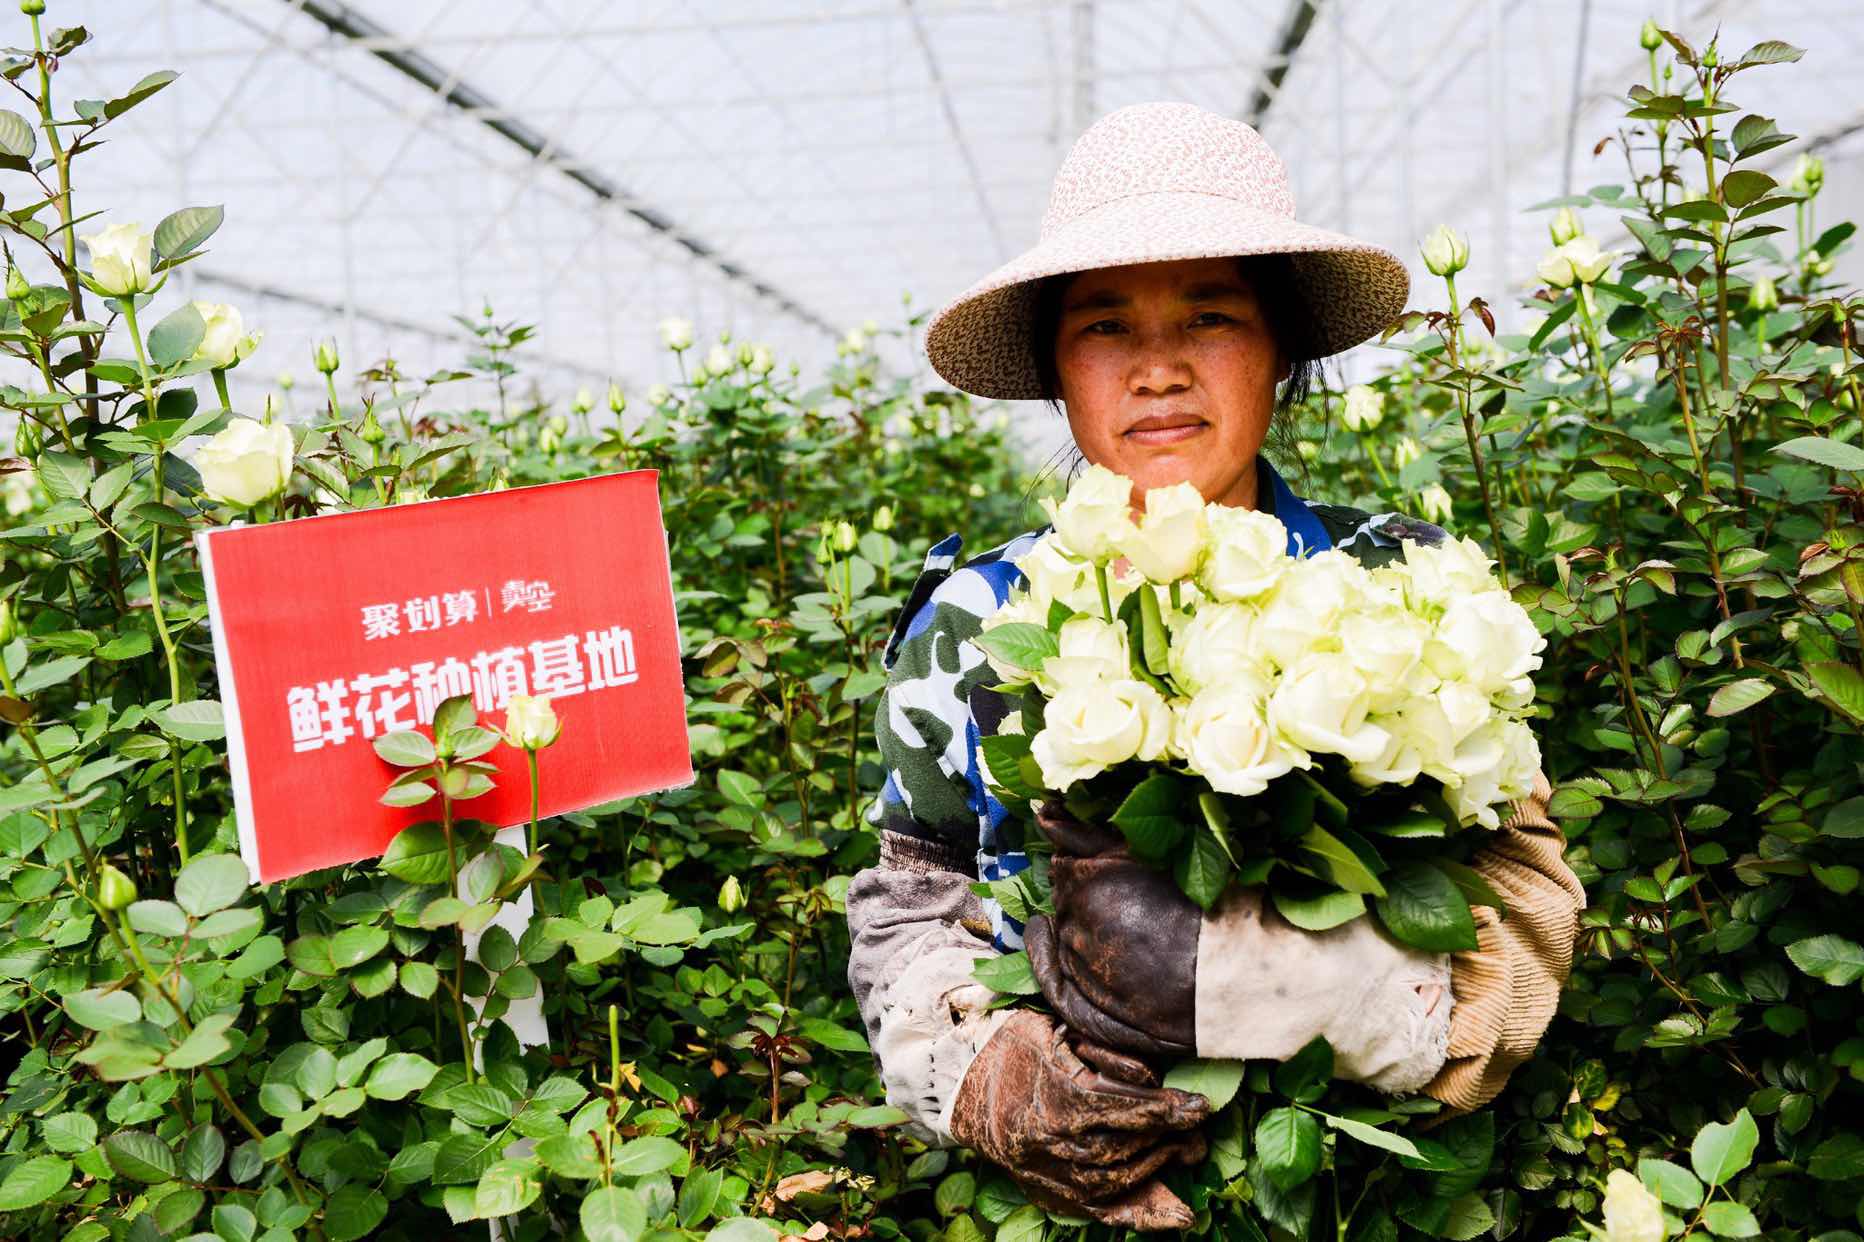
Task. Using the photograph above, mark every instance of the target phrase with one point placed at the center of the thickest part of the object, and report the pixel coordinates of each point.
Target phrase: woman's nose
(1159, 365)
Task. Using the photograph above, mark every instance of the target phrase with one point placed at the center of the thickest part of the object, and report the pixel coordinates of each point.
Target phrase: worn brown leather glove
(1508, 986)
(1118, 922)
(1131, 962)
(1076, 1139)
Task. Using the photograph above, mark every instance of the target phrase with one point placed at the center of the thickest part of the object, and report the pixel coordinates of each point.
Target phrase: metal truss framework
(786, 169)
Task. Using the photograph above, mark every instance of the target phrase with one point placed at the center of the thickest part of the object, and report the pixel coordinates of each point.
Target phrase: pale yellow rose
(1169, 541)
(676, 333)
(1090, 651)
(1091, 727)
(1437, 574)
(1632, 1212)
(1488, 641)
(1303, 614)
(1364, 408)
(1224, 735)
(225, 342)
(1095, 515)
(1248, 553)
(1321, 705)
(530, 722)
(1213, 645)
(245, 463)
(121, 259)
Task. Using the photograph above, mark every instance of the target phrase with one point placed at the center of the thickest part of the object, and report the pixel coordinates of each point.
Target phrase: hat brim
(980, 341)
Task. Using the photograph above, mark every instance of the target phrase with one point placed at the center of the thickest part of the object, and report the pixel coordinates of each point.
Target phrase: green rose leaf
(101, 1010)
(1216, 1079)
(405, 749)
(1372, 1136)
(1288, 1140)
(1829, 957)
(612, 1214)
(140, 1156)
(211, 882)
(1824, 451)
(1304, 1076)
(1203, 871)
(1727, 1219)
(418, 854)
(1672, 1183)
(1722, 1150)
(177, 336)
(1320, 911)
(507, 1187)
(398, 1075)
(1021, 644)
(1423, 908)
(353, 1212)
(1152, 818)
(33, 1180)
(1007, 972)
(651, 1154)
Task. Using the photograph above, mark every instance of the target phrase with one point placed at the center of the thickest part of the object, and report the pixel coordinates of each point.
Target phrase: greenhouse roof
(787, 169)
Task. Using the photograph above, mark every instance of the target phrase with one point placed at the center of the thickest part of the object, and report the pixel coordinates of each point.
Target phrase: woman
(1170, 293)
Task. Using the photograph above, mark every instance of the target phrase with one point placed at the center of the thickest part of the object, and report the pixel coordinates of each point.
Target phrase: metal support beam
(1293, 34)
(342, 20)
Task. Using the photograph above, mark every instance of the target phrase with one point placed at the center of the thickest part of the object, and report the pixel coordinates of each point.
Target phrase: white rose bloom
(1095, 515)
(1305, 610)
(659, 394)
(1320, 706)
(1588, 262)
(676, 333)
(762, 360)
(1168, 543)
(1486, 640)
(246, 463)
(1384, 644)
(1248, 553)
(1520, 759)
(719, 360)
(1448, 571)
(121, 258)
(1091, 651)
(1632, 1212)
(1477, 767)
(1216, 645)
(1090, 728)
(225, 342)
(1406, 451)
(1224, 736)
(1556, 268)
(1052, 574)
(1434, 504)
(1400, 762)
(1365, 408)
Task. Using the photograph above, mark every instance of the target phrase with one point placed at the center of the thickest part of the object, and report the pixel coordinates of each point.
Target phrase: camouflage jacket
(937, 705)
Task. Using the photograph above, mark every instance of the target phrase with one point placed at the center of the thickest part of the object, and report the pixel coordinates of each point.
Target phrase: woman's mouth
(1165, 429)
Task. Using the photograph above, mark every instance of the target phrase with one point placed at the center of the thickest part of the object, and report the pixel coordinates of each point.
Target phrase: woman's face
(1168, 371)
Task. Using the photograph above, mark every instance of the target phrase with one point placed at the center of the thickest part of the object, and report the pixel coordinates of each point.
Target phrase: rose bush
(1668, 465)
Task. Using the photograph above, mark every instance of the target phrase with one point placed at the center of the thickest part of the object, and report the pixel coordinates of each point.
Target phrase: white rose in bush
(1321, 705)
(121, 259)
(1168, 543)
(1248, 553)
(225, 342)
(1095, 515)
(246, 462)
(1215, 645)
(1386, 645)
(1090, 651)
(1090, 727)
(1224, 735)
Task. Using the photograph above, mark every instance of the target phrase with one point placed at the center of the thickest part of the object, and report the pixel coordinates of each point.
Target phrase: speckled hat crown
(1149, 183)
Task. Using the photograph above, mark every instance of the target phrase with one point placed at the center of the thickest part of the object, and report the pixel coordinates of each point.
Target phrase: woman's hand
(1133, 963)
(1078, 1140)
(1118, 960)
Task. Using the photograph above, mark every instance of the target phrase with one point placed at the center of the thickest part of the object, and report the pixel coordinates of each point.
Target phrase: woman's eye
(1212, 317)
(1112, 325)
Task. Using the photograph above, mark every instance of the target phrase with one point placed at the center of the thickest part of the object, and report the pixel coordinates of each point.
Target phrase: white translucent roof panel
(786, 169)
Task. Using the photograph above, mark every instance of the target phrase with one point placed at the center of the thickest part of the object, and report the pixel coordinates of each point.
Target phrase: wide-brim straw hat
(1154, 182)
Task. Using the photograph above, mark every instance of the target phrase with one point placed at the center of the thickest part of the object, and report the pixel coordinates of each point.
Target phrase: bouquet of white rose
(1253, 716)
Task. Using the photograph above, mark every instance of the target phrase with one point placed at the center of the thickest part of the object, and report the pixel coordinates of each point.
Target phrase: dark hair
(1290, 321)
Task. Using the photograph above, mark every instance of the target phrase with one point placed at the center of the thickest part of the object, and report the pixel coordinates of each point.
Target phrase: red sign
(331, 631)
